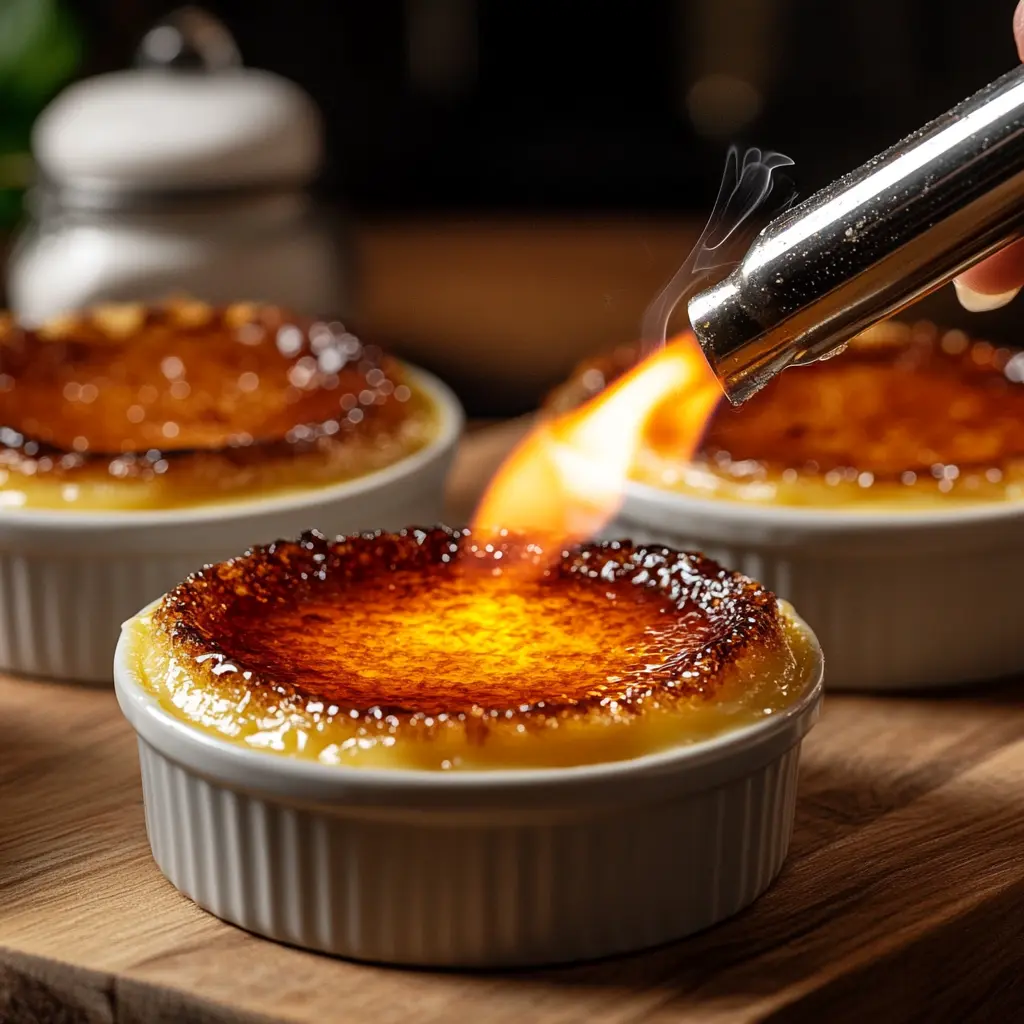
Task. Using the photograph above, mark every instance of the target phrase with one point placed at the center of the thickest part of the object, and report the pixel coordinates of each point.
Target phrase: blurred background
(516, 180)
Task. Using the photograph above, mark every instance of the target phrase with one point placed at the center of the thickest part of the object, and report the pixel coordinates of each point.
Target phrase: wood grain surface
(902, 899)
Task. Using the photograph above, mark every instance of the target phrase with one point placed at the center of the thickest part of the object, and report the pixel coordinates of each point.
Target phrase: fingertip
(994, 282)
(978, 302)
(999, 274)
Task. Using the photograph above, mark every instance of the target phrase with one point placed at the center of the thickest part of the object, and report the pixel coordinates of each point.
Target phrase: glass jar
(188, 174)
(272, 248)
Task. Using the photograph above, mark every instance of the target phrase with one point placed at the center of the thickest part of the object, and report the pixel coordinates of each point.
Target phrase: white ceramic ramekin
(470, 869)
(898, 600)
(68, 580)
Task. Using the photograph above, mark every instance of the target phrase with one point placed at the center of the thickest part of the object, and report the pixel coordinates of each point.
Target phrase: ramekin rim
(452, 420)
(817, 519)
(150, 721)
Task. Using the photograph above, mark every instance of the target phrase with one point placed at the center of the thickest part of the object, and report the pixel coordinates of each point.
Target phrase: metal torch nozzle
(871, 243)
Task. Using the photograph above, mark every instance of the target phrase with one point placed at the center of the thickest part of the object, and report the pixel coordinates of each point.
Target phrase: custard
(131, 407)
(428, 650)
(907, 416)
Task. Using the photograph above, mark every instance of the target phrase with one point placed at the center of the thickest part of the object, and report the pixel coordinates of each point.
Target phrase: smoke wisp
(749, 186)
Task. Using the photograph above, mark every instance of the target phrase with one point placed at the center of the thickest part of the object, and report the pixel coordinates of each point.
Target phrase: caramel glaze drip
(136, 389)
(900, 404)
(392, 628)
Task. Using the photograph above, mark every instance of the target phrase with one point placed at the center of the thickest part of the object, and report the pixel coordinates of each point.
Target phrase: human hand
(995, 281)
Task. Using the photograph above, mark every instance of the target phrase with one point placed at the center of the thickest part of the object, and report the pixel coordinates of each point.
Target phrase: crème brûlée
(907, 416)
(133, 407)
(429, 650)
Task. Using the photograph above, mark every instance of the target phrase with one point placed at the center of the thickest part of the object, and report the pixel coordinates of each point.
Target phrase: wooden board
(902, 900)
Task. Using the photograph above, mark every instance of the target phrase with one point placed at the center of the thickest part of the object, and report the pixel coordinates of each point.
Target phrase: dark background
(475, 143)
(446, 105)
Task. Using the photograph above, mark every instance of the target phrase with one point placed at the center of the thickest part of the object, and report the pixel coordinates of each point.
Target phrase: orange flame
(567, 478)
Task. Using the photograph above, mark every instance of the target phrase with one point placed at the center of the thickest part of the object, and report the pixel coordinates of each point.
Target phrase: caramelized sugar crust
(428, 634)
(330, 622)
(130, 392)
(903, 408)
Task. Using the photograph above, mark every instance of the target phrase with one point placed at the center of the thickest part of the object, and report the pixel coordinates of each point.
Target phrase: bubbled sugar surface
(428, 622)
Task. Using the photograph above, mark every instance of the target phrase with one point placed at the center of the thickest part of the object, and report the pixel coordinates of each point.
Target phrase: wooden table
(902, 900)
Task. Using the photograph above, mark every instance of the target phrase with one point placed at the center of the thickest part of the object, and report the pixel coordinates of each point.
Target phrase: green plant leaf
(40, 49)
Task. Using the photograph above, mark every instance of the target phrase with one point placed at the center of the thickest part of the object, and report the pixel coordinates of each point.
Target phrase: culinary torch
(871, 243)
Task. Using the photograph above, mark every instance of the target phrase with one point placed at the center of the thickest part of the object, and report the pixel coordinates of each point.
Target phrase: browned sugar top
(184, 376)
(900, 400)
(428, 622)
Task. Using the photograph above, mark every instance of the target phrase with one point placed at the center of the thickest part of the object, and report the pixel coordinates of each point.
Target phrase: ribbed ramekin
(68, 580)
(898, 600)
(470, 869)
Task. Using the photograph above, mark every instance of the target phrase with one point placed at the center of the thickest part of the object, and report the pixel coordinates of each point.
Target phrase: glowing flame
(567, 478)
